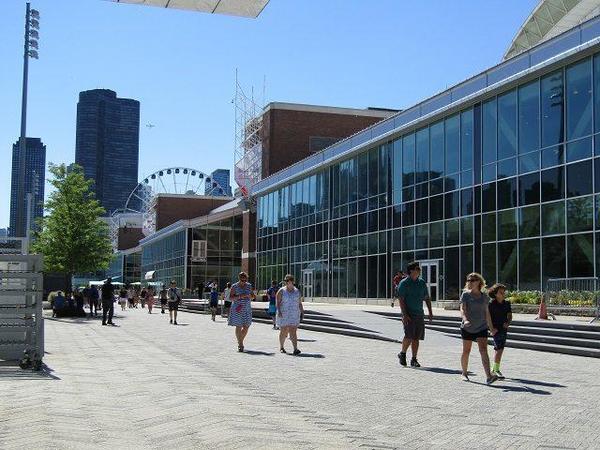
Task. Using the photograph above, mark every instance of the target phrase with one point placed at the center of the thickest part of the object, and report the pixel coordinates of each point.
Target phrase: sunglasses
(472, 280)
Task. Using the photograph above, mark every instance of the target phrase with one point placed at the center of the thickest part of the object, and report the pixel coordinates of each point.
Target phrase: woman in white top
(226, 300)
(289, 313)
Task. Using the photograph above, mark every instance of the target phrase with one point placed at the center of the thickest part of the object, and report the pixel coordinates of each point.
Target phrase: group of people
(482, 311)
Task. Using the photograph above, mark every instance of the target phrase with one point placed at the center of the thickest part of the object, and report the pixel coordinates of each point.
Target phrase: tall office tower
(35, 171)
(107, 144)
(221, 177)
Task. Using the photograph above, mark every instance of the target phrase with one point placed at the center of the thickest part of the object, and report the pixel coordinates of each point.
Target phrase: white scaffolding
(248, 139)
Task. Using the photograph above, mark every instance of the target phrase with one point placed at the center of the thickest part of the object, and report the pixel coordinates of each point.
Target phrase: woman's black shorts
(473, 336)
(174, 306)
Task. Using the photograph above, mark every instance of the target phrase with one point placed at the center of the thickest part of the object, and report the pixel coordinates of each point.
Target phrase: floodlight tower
(32, 26)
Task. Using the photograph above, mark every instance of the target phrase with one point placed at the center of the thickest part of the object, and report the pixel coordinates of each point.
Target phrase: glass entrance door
(307, 284)
(430, 274)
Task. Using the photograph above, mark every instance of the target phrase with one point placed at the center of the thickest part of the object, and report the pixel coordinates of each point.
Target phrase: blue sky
(181, 65)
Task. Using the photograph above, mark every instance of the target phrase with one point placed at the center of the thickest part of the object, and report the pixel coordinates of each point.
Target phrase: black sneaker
(297, 352)
(414, 363)
(175, 322)
(103, 323)
(402, 357)
(170, 320)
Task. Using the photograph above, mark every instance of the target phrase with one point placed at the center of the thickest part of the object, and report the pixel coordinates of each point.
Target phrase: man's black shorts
(415, 328)
(163, 301)
(174, 306)
(499, 340)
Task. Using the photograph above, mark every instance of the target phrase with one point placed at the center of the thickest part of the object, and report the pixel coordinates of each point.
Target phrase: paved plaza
(148, 384)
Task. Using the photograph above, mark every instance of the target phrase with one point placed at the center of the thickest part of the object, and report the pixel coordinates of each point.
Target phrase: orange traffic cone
(543, 311)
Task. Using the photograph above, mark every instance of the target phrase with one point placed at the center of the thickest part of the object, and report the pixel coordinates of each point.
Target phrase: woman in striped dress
(240, 315)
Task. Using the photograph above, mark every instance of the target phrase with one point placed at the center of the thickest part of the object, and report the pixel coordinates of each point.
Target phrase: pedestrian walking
(108, 300)
(174, 298)
(93, 297)
(501, 315)
(395, 282)
(289, 313)
(150, 299)
(226, 300)
(476, 321)
(412, 292)
(214, 302)
(143, 295)
(130, 297)
(240, 314)
(272, 310)
(123, 299)
(163, 294)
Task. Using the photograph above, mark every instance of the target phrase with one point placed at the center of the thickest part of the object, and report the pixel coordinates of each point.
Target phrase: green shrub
(560, 298)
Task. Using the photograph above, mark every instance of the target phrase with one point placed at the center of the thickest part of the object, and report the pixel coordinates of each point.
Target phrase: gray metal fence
(21, 319)
(575, 293)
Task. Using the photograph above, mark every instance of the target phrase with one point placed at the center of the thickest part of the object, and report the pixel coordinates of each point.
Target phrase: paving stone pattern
(148, 384)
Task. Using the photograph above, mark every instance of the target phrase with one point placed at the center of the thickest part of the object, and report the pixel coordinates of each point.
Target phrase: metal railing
(574, 293)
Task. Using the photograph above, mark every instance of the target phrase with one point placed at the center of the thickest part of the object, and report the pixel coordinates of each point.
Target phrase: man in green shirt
(412, 292)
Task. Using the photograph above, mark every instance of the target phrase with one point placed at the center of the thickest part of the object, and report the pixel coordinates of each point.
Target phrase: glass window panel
(488, 227)
(579, 149)
(597, 92)
(553, 156)
(436, 207)
(436, 135)
(597, 175)
(488, 262)
(488, 197)
(580, 258)
(422, 155)
(397, 172)
(373, 172)
(466, 201)
(580, 214)
(372, 280)
(452, 203)
(421, 190)
(553, 218)
(421, 211)
(579, 99)
(466, 138)
(452, 182)
(507, 224)
(529, 189)
(507, 168)
(553, 258)
(408, 160)
(552, 109)
(507, 193)
(436, 186)
(373, 243)
(397, 239)
(361, 281)
(489, 173)
(452, 231)
(529, 162)
(422, 236)
(529, 116)
(363, 175)
(408, 238)
(490, 120)
(529, 265)
(553, 184)
(507, 124)
(452, 284)
(466, 230)
(452, 144)
(466, 178)
(529, 221)
(579, 178)
(436, 234)
(352, 277)
(507, 263)
(466, 262)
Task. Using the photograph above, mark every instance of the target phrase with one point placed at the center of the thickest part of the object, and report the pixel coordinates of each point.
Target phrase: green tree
(72, 236)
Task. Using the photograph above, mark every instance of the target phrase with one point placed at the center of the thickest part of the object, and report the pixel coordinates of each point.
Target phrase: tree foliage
(73, 238)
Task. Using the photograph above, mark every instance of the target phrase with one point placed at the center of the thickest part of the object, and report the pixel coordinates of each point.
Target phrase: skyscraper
(107, 144)
(35, 170)
(221, 177)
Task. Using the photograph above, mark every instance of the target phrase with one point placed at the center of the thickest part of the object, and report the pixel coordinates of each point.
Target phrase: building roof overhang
(241, 8)
(548, 19)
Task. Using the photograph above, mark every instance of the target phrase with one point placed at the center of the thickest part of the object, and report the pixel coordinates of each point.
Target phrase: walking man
(174, 300)
(412, 292)
(108, 299)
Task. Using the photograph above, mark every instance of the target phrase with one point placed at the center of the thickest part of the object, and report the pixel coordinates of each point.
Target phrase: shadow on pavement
(444, 370)
(309, 355)
(508, 388)
(258, 353)
(11, 370)
(535, 383)
(307, 340)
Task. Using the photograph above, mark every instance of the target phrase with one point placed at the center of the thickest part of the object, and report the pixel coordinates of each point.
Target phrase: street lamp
(32, 36)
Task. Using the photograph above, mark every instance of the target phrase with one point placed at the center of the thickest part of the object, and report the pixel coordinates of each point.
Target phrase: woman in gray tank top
(476, 320)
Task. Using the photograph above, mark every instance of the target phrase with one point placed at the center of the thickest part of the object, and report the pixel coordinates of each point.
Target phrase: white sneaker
(464, 377)
(498, 374)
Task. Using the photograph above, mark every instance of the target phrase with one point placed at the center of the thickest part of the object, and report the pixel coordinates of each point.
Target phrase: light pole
(32, 25)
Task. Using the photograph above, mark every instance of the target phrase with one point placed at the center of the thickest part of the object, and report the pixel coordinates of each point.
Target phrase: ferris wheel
(172, 180)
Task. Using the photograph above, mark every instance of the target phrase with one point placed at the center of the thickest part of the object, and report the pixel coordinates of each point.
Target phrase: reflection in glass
(579, 99)
(529, 117)
(507, 124)
(552, 109)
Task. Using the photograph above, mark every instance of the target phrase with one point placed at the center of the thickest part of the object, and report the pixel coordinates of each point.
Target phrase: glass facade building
(107, 145)
(504, 181)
